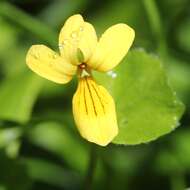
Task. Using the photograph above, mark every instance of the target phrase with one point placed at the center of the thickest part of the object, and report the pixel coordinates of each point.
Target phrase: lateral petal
(77, 34)
(94, 112)
(112, 47)
(48, 64)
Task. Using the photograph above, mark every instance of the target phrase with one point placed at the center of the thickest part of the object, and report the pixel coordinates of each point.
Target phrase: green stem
(29, 23)
(91, 168)
(155, 24)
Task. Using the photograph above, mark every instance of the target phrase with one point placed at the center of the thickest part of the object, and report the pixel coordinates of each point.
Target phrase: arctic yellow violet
(80, 52)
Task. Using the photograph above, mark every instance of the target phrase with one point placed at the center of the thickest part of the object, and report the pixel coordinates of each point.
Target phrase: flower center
(82, 66)
(83, 70)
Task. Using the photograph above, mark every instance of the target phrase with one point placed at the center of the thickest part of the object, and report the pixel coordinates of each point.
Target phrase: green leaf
(17, 96)
(51, 173)
(146, 105)
(8, 36)
(56, 138)
(13, 174)
(27, 22)
(171, 158)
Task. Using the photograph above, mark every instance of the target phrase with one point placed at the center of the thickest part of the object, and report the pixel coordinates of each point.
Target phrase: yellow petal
(48, 64)
(77, 34)
(112, 47)
(94, 112)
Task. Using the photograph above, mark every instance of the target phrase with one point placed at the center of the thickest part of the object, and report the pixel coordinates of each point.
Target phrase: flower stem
(155, 24)
(91, 168)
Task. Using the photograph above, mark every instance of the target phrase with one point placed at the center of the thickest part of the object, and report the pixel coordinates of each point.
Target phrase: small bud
(80, 55)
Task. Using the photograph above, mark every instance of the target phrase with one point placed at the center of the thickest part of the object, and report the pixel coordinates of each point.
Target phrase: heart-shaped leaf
(146, 105)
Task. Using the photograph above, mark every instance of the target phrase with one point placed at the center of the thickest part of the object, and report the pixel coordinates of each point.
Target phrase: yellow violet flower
(80, 52)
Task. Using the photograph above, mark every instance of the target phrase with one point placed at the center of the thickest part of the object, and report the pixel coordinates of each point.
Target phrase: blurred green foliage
(40, 147)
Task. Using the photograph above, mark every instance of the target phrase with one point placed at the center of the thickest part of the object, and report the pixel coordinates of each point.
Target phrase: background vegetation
(40, 147)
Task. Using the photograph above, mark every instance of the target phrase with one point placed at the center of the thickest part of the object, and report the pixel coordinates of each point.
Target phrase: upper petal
(112, 47)
(48, 64)
(77, 34)
(94, 112)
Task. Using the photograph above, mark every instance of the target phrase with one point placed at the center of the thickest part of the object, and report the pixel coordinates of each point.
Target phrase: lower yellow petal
(112, 47)
(94, 112)
(48, 64)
